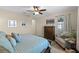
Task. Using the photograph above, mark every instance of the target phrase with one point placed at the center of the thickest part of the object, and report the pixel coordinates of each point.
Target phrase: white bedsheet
(31, 44)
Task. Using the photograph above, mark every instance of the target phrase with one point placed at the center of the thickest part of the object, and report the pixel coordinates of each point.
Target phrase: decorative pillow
(12, 41)
(16, 36)
(66, 35)
(74, 34)
(4, 42)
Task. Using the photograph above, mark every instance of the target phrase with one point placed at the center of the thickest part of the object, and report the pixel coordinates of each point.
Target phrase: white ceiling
(49, 9)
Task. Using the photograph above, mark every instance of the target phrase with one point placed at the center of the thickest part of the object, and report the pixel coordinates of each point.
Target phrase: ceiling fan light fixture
(36, 10)
(36, 13)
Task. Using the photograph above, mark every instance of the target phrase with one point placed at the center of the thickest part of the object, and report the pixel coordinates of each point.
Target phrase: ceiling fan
(36, 10)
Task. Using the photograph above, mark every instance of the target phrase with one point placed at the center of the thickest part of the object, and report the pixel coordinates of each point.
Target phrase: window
(11, 23)
(60, 25)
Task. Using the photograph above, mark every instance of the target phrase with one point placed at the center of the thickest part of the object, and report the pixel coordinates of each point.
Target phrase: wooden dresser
(49, 32)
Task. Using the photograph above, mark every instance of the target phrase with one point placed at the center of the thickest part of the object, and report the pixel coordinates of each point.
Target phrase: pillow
(16, 36)
(74, 34)
(66, 35)
(12, 41)
(4, 42)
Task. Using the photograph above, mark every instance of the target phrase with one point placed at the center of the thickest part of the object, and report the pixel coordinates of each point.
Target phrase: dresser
(49, 32)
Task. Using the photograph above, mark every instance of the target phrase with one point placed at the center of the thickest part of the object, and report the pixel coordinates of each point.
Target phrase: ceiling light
(36, 13)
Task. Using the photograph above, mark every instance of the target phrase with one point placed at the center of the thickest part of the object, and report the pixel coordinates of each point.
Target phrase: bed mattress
(31, 44)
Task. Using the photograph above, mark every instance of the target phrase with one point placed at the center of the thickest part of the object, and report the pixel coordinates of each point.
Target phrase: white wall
(41, 21)
(77, 45)
(7, 15)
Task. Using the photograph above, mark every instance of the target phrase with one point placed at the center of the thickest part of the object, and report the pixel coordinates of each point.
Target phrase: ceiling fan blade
(40, 13)
(43, 10)
(36, 8)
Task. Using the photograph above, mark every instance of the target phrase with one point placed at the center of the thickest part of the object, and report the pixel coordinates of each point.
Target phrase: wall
(7, 15)
(41, 21)
(77, 45)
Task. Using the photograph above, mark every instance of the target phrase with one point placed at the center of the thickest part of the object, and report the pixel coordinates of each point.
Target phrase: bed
(31, 44)
(27, 44)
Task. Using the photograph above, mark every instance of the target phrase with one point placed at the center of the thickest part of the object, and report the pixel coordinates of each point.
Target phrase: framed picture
(50, 21)
(11, 23)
